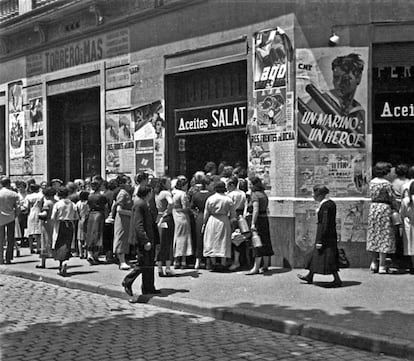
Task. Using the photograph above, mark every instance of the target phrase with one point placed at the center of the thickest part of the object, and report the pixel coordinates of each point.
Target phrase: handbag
(343, 261)
(396, 218)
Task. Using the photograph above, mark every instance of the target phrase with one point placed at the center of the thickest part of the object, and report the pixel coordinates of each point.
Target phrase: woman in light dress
(219, 211)
(165, 224)
(123, 206)
(182, 226)
(64, 215)
(46, 222)
(34, 200)
(381, 233)
(407, 215)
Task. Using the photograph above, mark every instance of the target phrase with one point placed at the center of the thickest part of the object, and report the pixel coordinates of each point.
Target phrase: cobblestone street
(39, 321)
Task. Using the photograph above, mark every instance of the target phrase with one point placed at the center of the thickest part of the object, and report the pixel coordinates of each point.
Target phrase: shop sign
(210, 119)
(80, 52)
(394, 106)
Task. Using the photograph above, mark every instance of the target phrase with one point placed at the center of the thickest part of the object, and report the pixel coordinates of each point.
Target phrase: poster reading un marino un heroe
(332, 96)
(332, 92)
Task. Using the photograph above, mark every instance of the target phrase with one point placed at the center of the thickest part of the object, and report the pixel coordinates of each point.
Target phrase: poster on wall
(17, 146)
(150, 125)
(144, 155)
(351, 223)
(119, 142)
(344, 173)
(272, 51)
(332, 93)
(16, 121)
(34, 127)
(271, 121)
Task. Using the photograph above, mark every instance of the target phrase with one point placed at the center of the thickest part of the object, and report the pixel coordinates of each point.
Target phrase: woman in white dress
(218, 213)
(182, 225)
(407, 215)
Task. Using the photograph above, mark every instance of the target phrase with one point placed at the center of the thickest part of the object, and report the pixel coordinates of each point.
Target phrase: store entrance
(393, 143)
(74, 135)
(230, 147)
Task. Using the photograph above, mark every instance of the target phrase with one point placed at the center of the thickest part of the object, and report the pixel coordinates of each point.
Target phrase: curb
(326, 333)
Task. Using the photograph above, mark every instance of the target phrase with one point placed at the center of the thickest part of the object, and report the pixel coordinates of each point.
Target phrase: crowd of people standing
(193, 223)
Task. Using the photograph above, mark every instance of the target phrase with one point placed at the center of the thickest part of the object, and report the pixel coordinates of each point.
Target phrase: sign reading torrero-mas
(81, 52)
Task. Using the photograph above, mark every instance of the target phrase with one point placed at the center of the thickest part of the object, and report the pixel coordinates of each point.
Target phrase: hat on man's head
(56, 180)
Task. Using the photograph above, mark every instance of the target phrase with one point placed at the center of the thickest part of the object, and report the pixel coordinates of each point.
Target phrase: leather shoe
(93, 261)
(127, 288)
(151, 292)
(252, 272)
(336, 284)
(305, 278)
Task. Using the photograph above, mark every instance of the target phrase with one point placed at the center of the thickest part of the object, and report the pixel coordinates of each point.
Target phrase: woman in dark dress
(64, 215)
(324, 258)
(94, 230)
(198, 202)
(258, 208)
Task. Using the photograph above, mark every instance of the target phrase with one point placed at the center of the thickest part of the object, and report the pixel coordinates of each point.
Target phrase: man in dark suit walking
(141, 234)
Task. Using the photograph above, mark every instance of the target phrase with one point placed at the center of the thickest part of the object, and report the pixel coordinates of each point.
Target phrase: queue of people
(193, 223)
(391, 217)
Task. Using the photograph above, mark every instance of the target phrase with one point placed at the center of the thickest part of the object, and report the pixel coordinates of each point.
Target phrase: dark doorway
(2, 140)
(74, 135)
(206, 87)
(230, 147)
(393, 142)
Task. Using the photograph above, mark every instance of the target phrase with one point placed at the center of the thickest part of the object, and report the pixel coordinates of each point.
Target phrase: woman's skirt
(121, 233)
(33, 222)
(166, 231)
(381, 233)
(64, 240)
(324, 261)
(182, 234)
(262, 226)
(94, 231)
(217, 236)
(46, 239)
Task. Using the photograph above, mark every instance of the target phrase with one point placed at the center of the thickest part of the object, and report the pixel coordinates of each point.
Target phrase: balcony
(8, 9)
(39, 3)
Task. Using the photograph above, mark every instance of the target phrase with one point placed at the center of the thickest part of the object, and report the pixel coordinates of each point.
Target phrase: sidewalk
(371, 312)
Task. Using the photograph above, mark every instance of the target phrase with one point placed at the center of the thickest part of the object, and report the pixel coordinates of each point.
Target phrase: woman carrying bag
(262, 250)
(324, 258)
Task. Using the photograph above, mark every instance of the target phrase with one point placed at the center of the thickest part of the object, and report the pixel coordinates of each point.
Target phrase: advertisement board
(332, 103)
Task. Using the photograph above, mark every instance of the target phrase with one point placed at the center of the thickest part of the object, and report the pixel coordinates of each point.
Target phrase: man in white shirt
(9, 204)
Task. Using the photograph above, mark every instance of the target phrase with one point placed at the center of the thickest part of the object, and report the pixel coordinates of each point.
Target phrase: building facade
(108, 87)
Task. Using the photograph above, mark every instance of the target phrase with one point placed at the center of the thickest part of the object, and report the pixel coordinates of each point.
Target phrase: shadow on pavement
(115, 335)
(75, 273)
(193, 274)
(329, 285)
(165, 292)
(276, 271)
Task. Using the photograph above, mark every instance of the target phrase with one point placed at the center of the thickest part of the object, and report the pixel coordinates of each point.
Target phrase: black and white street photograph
(206, 180)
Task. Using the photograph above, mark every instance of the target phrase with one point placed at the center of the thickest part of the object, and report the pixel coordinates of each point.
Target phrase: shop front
(209, 111)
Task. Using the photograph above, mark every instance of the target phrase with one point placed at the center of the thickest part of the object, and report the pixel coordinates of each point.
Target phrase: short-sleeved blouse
(260, 197)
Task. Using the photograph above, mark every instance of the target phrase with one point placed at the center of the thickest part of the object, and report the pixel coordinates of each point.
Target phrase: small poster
(17, 146)
(35, 126)
(149, 122)
(144, 155)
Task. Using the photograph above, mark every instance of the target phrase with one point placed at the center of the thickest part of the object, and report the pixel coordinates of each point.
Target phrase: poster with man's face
(332, 95)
